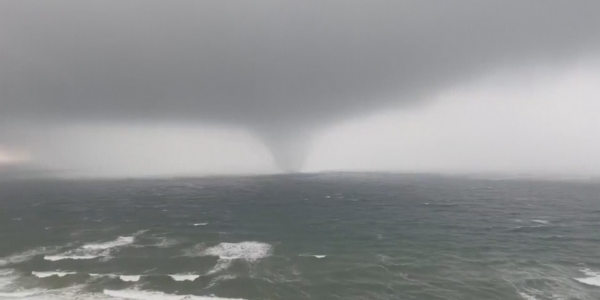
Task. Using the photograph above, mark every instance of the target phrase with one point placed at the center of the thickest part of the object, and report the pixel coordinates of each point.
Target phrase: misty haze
(300, 149)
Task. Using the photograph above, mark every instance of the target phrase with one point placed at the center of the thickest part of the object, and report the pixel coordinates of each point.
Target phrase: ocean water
(307, 236)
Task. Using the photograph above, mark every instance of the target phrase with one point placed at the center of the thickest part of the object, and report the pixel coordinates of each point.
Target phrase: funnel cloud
(282, 70)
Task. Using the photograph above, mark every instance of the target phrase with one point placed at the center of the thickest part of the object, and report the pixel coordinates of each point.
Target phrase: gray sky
(106, 81)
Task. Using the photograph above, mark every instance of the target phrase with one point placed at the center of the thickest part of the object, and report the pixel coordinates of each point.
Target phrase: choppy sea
(304, 236)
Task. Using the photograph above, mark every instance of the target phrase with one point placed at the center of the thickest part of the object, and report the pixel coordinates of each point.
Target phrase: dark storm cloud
(279, 68)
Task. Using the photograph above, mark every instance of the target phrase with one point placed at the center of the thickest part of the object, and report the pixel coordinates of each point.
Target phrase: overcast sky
(130, 88)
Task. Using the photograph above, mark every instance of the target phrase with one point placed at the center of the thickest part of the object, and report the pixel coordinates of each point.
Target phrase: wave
(130, 278)
(167, 242)
(73, 257)
(125, 278)
(152, 295)
(94, 250)
(218, 279)
(527, 296)
(12, 295)
(119, 242)
(96, 275)
(228, 252)
(311, 255)
(27, 255)
(531, 228)
(50, 274)
(592, 279)
(248, 251)
(8, 289)
(222, 264)
(184, 277)
(541, 221)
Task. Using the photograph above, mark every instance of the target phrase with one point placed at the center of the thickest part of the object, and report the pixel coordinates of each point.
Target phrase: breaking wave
(27, 255)
(151, 295)
(94, 250)
(184, 277)
(593, 278)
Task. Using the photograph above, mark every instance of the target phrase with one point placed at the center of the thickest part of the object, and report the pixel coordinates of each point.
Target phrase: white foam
(119, 242)
(228, 252)
(73, 257)
(13, 295)
(96, 275)
(541, 221)
(184, 277)
(151, 295)
(315, 256)
(219, 279)
(249, 251)
(592, 279)
(4, 280)
(7, 287)
(167, 242)
(27, 255)
(200, 224)
(527, 297)
(130, 278)
(222, 264)
(50, 274)
(76, 292)
(94, 250)
(518, 228)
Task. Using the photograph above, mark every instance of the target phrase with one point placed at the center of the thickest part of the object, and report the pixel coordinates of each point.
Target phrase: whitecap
(313, 255)
(7, 285)
(27, 255)
(592, 279)
(248, 251)
(12, 295)
(50, 274)
(200, 224)
(119, 242)
(228, 252)
(527, 296)
(184, 277)
(219, 279)
(526, 228)
(222, 264)
(541, 221)
(130, 278)
(152, 295)
(71, 292)
(167, 242)
(97, 275)
(73, 257)
(94, 250)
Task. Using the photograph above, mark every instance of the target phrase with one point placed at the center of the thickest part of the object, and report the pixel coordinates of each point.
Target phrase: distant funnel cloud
(289, 151)
(277, 68)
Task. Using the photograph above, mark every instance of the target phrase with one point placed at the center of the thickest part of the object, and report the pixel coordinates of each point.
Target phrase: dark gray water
(312, 236)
